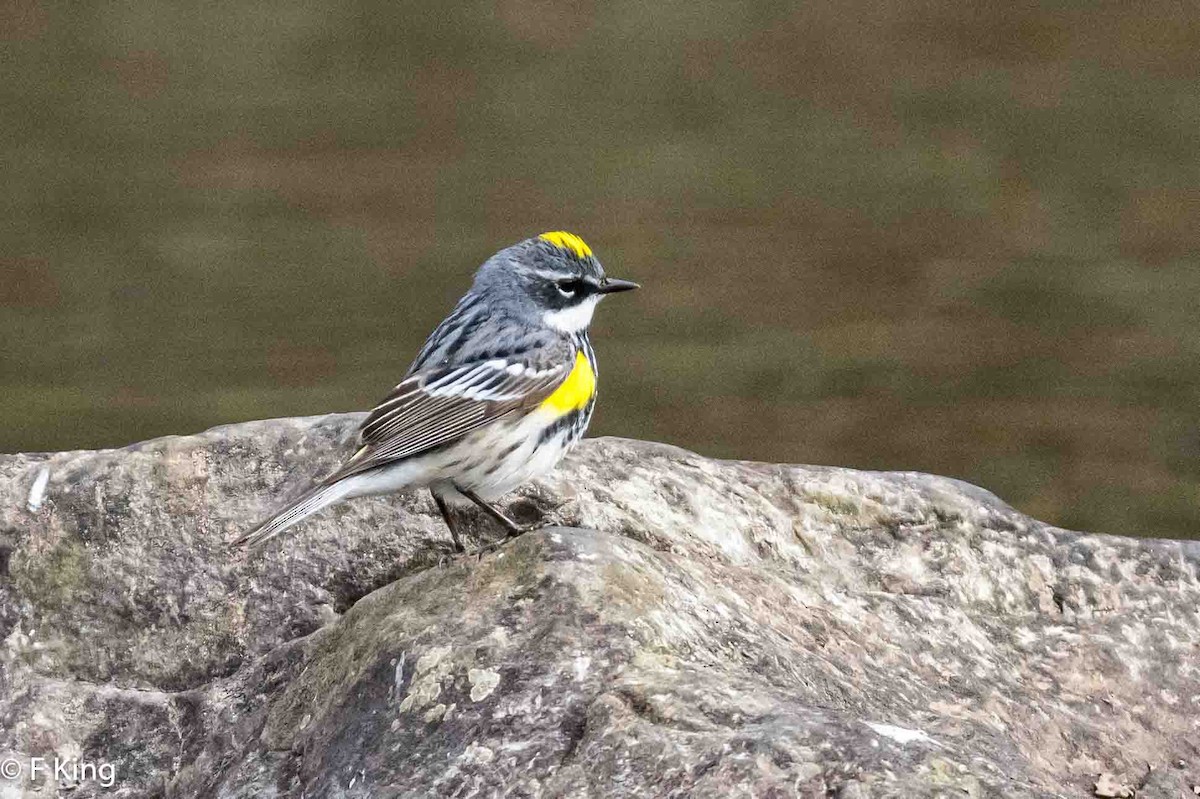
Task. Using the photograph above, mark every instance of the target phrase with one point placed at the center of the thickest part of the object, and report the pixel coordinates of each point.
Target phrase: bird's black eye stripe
(571, 287)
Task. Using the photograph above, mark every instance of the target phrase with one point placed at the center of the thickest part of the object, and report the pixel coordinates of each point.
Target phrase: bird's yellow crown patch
(573, 393)
(569, 242)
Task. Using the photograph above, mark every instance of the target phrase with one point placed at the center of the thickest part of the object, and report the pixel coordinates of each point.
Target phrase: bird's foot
(521, 529)
(510, 533)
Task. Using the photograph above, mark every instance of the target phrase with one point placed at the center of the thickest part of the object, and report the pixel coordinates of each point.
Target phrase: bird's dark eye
(569, 288)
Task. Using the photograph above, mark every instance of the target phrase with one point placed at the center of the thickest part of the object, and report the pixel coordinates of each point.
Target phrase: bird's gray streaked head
(554, 277)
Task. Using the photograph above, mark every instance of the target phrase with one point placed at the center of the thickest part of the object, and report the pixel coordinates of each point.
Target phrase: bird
(501, 390)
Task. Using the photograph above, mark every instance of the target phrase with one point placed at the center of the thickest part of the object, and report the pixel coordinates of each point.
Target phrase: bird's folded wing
(435, 406)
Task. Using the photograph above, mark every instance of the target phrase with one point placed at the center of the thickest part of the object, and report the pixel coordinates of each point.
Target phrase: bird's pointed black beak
(612, 285)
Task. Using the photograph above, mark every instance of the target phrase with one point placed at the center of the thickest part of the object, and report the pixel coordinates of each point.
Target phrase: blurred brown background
(954, 237)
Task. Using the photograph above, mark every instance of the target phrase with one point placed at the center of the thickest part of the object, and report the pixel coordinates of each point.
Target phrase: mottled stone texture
(691, 628)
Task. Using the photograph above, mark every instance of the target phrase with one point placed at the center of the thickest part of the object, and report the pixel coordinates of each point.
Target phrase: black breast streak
(500, 458)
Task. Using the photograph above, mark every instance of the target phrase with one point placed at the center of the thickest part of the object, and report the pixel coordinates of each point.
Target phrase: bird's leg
(451, 522)
(509, 525)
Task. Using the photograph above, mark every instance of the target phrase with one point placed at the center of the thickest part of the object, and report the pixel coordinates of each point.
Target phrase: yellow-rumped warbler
(499, 393)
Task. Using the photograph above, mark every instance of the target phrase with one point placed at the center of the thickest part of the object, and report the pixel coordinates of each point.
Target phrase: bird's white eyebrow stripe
(556, 276)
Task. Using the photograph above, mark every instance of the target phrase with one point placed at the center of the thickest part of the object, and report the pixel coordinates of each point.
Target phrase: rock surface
(691, 628)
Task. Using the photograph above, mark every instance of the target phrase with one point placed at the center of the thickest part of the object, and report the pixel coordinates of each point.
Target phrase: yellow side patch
(568, 241)
(574, 392)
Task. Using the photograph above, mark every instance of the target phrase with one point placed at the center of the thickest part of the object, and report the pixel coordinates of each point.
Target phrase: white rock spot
(900, 735)
(483, 682)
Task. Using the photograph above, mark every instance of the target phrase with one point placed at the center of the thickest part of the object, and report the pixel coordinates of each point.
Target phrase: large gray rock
(691, 628)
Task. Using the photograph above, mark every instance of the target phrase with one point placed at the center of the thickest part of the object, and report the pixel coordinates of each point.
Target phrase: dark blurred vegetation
(957, 237)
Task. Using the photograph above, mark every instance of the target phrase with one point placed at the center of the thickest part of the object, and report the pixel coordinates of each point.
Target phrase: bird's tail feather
(312, 501)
